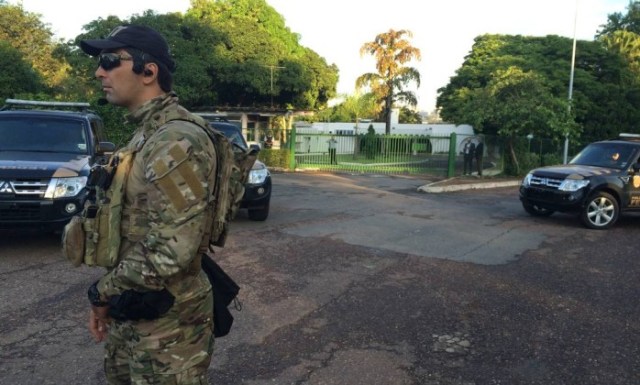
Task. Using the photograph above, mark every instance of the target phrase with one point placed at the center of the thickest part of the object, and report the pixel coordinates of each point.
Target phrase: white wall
(437, 129)
(312, 144)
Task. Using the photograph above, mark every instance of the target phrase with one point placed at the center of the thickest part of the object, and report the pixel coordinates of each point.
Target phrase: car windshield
(231, 132)
(613, 155)
(42, 135)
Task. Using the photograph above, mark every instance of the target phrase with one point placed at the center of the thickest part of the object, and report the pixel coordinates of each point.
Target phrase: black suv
(599, 183)
(46, 152)
(257, 190)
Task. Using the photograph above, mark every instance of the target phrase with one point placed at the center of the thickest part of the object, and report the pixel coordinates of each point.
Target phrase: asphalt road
(366, 280)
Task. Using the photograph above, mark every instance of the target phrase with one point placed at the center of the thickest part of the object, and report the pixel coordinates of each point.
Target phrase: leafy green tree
(225, 52)
(223, 56)
(359, 106)
(307, 82)
(16, 76)
(604, 91)
(26, 33)
(618, 21)
(624, 42)
(258, 59)
(519, 103)
(353, 107)
(391, 51)
(409, 116)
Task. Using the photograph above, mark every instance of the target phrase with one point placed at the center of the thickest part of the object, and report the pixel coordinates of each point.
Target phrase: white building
(439, 133)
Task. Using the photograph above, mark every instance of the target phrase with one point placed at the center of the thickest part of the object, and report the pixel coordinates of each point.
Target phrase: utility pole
(272, 67)
(573, 64)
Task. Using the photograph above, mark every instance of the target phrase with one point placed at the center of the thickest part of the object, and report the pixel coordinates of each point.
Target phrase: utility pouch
(92, 235)
(102, 220)
(94, 238)
(73, 241)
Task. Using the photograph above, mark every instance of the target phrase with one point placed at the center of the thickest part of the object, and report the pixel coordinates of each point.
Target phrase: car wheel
(536, 210)
(600, 212)
(259, 214)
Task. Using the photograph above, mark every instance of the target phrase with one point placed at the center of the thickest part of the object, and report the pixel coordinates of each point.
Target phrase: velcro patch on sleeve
(176, 177)
(187, 172)
(169, 186)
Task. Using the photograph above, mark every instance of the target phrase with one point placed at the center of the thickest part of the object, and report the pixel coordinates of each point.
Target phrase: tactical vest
(94, 237)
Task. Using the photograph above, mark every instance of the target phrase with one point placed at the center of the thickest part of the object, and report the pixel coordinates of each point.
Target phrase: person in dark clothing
(467, 153)
(479, 153)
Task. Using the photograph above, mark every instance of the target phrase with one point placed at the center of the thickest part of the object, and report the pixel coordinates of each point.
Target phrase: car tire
(536, 210)
(600, 212)
(260, 214)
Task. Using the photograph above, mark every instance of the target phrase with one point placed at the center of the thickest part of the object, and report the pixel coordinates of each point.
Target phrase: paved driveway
(366, 280)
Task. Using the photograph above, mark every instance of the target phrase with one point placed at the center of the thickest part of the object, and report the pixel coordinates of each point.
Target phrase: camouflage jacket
(165, 198)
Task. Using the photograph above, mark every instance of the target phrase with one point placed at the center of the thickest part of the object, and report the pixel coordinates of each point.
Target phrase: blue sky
(336, 29)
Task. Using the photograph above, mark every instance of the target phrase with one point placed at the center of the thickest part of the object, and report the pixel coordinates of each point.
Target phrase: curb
(433, 188)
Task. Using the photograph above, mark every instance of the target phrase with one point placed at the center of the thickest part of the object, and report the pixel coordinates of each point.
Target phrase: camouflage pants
(173, 350)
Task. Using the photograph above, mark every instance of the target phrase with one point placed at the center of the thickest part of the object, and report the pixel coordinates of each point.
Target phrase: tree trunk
(514, 158)
(387, 105)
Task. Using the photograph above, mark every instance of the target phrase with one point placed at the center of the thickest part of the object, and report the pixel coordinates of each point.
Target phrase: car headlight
(572, 185)
(258, 174)
(527, 180)
(65, 187)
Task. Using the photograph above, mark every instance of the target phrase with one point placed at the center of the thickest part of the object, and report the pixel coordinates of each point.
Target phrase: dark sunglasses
(109, 61)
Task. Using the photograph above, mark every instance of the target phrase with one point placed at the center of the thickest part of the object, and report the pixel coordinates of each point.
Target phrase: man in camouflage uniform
(163, 219)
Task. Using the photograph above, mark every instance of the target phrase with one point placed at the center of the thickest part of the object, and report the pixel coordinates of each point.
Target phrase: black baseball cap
(140, 37)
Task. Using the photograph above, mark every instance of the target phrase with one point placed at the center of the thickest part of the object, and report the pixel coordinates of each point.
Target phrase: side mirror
(104, 150)
(105, 147)
(636, 167)
(254, 149)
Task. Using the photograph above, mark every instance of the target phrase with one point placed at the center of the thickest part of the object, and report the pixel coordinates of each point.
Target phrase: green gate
(371, 153)
(308, 149)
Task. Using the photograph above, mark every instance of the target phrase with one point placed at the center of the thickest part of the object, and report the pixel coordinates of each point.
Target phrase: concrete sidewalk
(470, 182)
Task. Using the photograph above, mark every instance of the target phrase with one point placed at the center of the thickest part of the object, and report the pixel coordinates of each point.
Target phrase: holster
(133, 305)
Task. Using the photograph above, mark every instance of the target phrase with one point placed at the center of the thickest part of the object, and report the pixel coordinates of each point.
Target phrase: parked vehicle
(257, 193)
(47, 150)
(599, 184)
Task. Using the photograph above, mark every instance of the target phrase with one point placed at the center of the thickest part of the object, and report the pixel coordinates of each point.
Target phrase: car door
(632, 187)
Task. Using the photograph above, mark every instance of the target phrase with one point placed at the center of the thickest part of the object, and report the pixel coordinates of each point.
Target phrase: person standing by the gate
(468, 153)
(479, 153)
(332, 150)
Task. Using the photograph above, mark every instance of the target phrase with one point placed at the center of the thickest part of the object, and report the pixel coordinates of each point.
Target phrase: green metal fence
(407, 154)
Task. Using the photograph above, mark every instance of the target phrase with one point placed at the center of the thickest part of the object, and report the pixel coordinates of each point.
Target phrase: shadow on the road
(29, 238)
